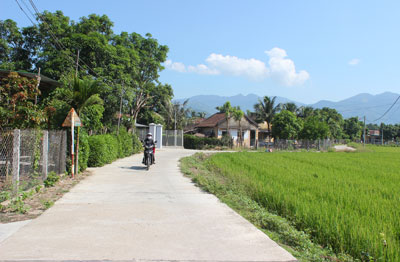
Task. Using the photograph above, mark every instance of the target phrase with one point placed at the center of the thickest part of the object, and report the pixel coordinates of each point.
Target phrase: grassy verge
(31, 204)
(235, 195)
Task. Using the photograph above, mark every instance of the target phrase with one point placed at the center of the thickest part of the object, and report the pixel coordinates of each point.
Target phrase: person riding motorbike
(149, 142)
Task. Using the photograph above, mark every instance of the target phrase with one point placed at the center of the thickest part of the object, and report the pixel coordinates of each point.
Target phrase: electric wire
(58, 44)
(387, 110)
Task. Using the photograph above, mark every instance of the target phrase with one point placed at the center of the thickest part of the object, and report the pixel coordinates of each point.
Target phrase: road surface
(125, 213)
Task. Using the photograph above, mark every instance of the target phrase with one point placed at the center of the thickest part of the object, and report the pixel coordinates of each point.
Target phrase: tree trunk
(269, 132)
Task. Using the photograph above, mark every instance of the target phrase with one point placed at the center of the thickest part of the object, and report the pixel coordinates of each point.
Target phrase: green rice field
(347, 201)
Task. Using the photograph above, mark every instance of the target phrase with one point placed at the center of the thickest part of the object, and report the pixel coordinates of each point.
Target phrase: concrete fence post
(175, 137)
(45, 153)
(16, 158)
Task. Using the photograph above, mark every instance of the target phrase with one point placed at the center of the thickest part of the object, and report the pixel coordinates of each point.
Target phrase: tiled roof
(212, 121)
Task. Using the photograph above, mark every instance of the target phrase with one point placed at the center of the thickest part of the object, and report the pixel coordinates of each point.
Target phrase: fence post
(63, 152)
(45, 153)
(16, 157)
(175, 133)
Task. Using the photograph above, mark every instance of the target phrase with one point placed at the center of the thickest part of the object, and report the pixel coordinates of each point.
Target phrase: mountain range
(364, 104)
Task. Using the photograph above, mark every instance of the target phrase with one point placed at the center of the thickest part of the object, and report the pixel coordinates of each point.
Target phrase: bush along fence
(195, 142)
(27, 157)
(103, 149)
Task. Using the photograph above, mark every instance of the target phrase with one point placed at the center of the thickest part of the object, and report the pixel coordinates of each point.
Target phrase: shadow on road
(134, 167)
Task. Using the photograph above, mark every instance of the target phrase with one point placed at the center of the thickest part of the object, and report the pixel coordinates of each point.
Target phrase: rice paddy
(347, 201)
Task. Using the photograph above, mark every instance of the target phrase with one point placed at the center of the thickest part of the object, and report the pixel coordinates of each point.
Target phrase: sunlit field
(348, 201)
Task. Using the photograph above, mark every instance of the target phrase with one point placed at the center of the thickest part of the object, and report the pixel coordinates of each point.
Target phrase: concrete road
(125, 213)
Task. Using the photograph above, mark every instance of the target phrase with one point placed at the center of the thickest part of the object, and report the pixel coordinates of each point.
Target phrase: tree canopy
(125, 66)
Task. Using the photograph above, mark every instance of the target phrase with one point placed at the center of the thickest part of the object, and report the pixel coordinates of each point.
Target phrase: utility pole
(175, 118)
(120, 107)
(364, 133)
(77, 65)
(382, 135)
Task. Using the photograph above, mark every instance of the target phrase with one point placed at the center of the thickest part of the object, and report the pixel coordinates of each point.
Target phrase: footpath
(125, 213)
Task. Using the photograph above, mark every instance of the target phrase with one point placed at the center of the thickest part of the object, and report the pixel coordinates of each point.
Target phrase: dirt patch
(36, 204)
(344, 148)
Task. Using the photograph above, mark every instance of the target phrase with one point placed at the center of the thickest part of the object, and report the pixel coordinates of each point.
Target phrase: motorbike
(148, 156)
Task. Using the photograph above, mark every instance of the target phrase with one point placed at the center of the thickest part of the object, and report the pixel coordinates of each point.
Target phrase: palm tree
(305, 111)
(228, 110)
(290, 106)
(84, 93)
(266, 110)
(177, 113)
(238, 115)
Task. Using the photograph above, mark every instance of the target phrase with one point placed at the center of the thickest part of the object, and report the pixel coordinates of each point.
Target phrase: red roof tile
(212, 121)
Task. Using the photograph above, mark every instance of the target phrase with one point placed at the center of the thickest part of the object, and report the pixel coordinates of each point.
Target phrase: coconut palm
(228, 110)
(266, 110)
(238, 115)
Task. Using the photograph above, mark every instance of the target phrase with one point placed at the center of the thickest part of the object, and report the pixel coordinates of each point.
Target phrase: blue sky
(303, 50)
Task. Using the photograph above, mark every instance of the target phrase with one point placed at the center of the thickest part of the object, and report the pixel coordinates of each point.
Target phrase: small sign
(72, 115)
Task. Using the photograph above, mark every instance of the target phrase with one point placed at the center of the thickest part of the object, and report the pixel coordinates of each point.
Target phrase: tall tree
(227, 109)
(314, 129)
(353, 128)
(238, 115)
(289, 106)
(266, 110)
(145, 79)
(285, 125)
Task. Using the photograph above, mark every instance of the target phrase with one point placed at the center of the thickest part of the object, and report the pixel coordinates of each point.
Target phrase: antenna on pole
(120, 107)
(77, 64)
(364, 133)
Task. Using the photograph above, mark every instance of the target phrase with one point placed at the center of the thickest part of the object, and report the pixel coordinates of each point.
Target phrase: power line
(388, 109)
(58, 44)
(20, 7)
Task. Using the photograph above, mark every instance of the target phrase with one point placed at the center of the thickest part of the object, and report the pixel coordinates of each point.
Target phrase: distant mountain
(208, 103)
(372, 106)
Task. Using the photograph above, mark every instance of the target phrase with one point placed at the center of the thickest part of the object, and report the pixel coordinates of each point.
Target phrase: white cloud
(354, 61)
(232, 65)
(176, 66)
(280, 67)
(283, 69)
(203, 70)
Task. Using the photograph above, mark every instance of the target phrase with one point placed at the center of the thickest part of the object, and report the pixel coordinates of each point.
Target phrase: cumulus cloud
(203, 70)
(232, 65)
(283, 69)
(279, 67)
(354, 61)
(176, 66)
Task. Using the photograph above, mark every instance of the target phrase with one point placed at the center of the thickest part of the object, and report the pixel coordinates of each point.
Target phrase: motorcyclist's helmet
(149, 135)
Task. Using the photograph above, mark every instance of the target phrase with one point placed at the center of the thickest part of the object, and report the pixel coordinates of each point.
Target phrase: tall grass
(347, 201)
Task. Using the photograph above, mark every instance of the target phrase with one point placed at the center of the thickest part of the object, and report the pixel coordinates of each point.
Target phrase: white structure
(156, 131)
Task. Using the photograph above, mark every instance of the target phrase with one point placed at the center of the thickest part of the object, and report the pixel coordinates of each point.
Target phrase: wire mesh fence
(172, 138)
(280, 144)
(6, 158)
(27, 156)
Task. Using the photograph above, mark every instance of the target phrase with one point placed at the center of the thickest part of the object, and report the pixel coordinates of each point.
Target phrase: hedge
(104, 149)
(194, 142)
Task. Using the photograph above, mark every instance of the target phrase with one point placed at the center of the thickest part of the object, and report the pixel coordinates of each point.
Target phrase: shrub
(137, 145)
(125, 143)
(99, 154)
(51, 179)
(84, 150)
(194, 142)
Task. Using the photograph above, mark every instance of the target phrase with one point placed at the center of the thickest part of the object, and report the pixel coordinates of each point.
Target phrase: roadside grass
(348, 202)
(235, 195)
(32, 203)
